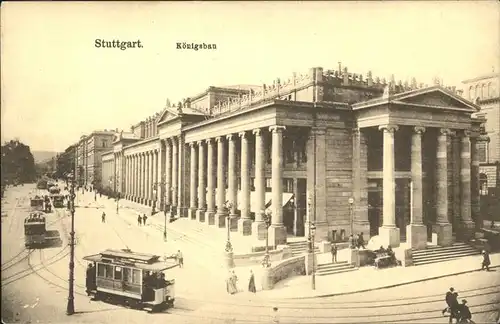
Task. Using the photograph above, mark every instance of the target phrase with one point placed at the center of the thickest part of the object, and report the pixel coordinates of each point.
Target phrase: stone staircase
(434, 254)
(300, 247)
(333, 268)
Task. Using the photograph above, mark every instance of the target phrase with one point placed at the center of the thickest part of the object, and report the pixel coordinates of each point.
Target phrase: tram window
(136, 276)
(100, 270)
(118, 273)
(109, 271)
(127, 274)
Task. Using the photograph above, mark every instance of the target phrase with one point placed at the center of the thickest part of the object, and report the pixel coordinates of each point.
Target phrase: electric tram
(34, 230)
(58, 200)
(131, 279)
(36, 203)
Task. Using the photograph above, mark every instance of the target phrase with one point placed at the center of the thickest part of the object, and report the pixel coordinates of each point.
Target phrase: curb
(391, 286)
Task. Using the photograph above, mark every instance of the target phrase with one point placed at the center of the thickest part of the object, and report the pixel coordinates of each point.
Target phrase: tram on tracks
(57, 200)
(131, 279)
(34, 230)
(36, 203)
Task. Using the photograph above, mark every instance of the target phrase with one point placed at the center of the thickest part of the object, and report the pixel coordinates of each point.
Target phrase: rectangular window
(101, 272)
(288, 185)
(136, 276)
(127, 274)
(118, 273)
(109, 272)
(268, 185)
(482, 152)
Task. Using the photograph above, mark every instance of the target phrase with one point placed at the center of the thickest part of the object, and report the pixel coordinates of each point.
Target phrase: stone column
(232, 182)
(474, 177)
(156, 188)
(192, 182)
(467, 225)
(221, 183)
(388, 232)
(144, 179)
(175, 170)
(442, 227)
(181, 204)
(360, 185)
(129, 174)
(259, 227)
(168, 174)
(245, 223)
(210, 182)
(161, 176)
(133, 173)
(150, 178)
(416, 231)
(277, 232)
(202, 190)
(138, 180)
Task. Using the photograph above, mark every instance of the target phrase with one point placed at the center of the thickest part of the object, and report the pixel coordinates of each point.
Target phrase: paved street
(34, 283)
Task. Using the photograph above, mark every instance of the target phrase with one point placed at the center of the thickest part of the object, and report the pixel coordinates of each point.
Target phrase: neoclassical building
(335, 149)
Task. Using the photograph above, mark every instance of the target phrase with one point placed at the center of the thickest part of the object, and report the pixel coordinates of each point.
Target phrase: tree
(18, 164)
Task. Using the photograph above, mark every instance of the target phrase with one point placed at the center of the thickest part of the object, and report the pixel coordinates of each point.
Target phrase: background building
(485, 92)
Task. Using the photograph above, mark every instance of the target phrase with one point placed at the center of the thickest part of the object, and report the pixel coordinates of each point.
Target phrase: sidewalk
(369, 278)
(364, 279)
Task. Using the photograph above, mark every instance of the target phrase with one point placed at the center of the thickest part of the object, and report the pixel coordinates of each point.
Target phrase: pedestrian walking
(139, 220)
(234, 281)
(352, 242)
(144, 219)
(486, 261)
(230, 284)
(334, 252)
(95, 197)
(180, 259)
(465, 314)
(275, 319)
(251, 283)
(100, 194)
(448, 298)
(361, 241)
(103, 217)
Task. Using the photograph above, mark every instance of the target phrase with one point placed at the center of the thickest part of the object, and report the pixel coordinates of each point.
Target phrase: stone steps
(300, 247)
(436, 254)
(333, 268)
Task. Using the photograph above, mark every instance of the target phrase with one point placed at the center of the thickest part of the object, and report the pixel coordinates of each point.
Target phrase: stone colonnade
(140, 177)
(416, 230)
(205, 182)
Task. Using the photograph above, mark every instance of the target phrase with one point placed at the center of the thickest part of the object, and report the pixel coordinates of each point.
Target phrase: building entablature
(141, 147)
(107, 156)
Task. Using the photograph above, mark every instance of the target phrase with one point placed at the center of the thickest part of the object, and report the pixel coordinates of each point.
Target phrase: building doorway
(294, 210)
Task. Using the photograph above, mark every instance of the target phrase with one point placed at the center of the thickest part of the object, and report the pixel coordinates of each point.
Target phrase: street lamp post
(229, 248)
(313, 279)
(351, 202)
(70, 309)
(266, 263)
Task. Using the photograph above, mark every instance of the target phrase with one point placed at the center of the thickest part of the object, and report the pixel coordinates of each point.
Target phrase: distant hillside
(43, 156)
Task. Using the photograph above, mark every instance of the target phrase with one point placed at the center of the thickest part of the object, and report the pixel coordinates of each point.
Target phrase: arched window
(483, 184)
(489, 94)
(476, 92)
(471, 93)
(483, 91)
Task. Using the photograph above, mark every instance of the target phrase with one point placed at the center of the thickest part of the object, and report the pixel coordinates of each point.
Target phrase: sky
(57, 86)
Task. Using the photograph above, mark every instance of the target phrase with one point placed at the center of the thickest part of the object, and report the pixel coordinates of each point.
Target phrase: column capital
(445, 131)
(277, 129)
(200, 143)
(242, 134)
(466, 133)
(219, 139)
(257, 132)
(389, 128)
(192, 144)
(483, 138)
(209, 141)
(418, 130)
(230, 137)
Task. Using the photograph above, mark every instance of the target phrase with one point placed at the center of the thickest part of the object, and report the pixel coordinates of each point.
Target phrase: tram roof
(143, 261)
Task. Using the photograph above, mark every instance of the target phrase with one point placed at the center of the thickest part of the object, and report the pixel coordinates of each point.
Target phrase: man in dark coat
(464, 311)
(103, 217)
(251, 283)
(139, 220)
(449, 299)
(89, 278)
(361, 241)
(334, 252)
(144, 219)
(486, 261)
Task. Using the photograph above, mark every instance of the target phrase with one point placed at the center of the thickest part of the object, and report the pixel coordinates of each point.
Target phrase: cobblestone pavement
(34, 283)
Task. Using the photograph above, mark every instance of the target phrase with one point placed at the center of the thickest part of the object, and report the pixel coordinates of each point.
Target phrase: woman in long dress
(251, 283)
(231, 284)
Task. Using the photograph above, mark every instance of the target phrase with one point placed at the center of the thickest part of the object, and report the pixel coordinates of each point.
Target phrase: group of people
(458, 311)
(141, 220)
(232, 283)
(357, 241)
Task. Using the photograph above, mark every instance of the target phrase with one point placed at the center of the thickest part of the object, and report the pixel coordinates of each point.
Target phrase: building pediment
(167, 115)
(438, 98)
(432, 97)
